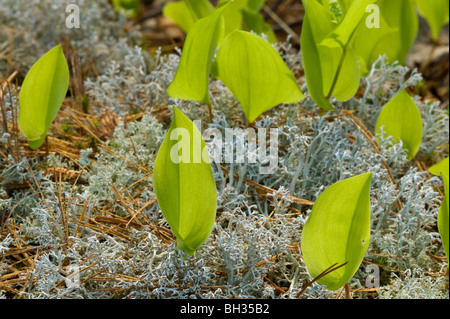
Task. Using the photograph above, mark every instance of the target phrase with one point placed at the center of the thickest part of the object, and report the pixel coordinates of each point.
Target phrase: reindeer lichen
(254, 249)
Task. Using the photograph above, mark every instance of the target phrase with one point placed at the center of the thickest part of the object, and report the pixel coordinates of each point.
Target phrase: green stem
(338, 72)
(341, 63)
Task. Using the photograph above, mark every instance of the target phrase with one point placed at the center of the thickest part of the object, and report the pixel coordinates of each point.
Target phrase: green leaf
(344, 4)
(338, 230)
(400, 15)
(233, 15)
(436, 12)
(263, 80)
(185, 13)
(192, 77)
(255, 5)
(341, 71)
(330, 62)
(401, 119)
(184, 184)
(366, 42)
(256, 23)
(179, 13)
(443, 221)
(130, 7)
(313, 33)
(42, 94)
(341, 36)
(200, 8)
(441, 168)
(244, 15)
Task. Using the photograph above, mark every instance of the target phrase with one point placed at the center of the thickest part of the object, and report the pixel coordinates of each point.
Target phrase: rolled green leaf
(338, 58)
(200, 8)
(338, 230)
(192, 78)
(184, 184)
(331, 64)
(342, 46)
(42, 94)
(400, 15)
(436, 13)
(343, 67)
(343, 33)
(442, 169)
(263, 79)
(443, 221)
(401, 119)
(314, 33)
(366, 43)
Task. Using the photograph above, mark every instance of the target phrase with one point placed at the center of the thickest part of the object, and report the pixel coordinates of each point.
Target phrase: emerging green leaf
(263, 80)
(179, 13)
(401, 119)
(244, 15)
(343, 67)
(366, 42)
(255, 5)
(199, 8)
(436, 12)
(332, 48)
(192, 77)
(233, 15)
(400, 15)
(42, 94)
(256, 23)
(331, 64)
(338, 59)
(314, 33)
(129, 7)
(338, 230)
(443, 221)
(441, 168)
(184, 184)
(343, 33)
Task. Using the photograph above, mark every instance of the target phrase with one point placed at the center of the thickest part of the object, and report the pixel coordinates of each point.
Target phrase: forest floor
(85, 198)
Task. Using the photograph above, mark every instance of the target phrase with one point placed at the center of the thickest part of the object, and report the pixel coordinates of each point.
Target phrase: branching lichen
(107, 238)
